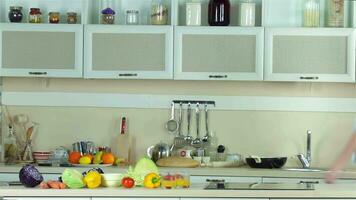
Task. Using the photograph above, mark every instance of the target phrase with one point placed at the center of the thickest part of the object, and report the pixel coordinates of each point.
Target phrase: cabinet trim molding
(249, 103)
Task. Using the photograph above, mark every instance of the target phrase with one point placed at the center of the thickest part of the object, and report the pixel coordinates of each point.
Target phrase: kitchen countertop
(321, 191)
(243, 171)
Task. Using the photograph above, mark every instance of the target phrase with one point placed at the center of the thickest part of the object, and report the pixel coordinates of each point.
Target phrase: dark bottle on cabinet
(219, 12)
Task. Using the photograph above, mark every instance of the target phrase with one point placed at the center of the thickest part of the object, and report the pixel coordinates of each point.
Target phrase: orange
(108, 158)
(74, 157)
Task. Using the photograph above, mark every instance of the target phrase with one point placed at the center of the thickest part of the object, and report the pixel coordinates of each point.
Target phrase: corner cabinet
(310, 54)
(128, 52)
(41, 50)
(218, 53)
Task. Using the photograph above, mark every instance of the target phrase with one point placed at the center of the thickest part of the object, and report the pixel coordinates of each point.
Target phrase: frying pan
(266, 162)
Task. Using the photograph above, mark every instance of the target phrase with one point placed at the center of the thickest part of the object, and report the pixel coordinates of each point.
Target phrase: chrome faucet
(306, 160)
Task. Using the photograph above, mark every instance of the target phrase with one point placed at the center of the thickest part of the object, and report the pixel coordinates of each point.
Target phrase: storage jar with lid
(15, 14)
(159, 13)
(219, 12)
(35, 15)
(132, 17)
(193, 13)
(247, 13)
(335, 13)
(53, 17)
(71, 17)
(311, 13)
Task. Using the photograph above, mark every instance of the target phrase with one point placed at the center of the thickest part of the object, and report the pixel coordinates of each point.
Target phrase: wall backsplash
(267, 133)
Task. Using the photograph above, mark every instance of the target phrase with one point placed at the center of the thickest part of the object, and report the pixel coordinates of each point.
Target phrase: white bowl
(111, 180)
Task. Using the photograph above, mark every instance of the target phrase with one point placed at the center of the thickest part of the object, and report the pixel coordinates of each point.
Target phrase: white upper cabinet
(121, 51)
(219, 53)
(42, 50)
(320, 53)
(303, 54)
(128, 52)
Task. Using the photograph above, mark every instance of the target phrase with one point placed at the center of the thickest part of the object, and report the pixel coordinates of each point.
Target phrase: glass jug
(219, 12)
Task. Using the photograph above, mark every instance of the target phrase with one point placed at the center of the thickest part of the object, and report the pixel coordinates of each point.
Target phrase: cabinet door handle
(37, 73)
(309, 78)
(128, 75)
(309, 182)
(217, 76)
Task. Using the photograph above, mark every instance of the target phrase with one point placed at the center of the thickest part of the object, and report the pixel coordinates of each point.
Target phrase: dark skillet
(273, 162)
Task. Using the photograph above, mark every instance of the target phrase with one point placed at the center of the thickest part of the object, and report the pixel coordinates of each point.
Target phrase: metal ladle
(206, 137)
(196, 143)
(188, 137)
(172, 124)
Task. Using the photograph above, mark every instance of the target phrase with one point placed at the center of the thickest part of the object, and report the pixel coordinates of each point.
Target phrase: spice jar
(335, 13)
(193, 13)
(247, 13)
(219, 12)
(132, 17)
(159, 13)
(311, 13)
(15, 14)
(35, 15)
(71, 18)
(53, 17)
(107, 16)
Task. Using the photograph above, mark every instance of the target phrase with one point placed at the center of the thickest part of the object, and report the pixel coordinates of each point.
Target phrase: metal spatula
(179, 140)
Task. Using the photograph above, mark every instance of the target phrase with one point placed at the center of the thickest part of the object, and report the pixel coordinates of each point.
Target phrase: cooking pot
(158, 151)
(266, 162)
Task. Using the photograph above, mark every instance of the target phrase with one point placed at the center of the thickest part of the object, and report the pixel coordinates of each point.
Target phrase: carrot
(53, 184)
(44, 185)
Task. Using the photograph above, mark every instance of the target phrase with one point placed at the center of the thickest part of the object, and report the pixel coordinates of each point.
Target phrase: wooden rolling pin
(177, 162)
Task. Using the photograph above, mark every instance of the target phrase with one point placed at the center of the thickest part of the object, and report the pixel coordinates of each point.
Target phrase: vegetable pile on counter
(144, 174)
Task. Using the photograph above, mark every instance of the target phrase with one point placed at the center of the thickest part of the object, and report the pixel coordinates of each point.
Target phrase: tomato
(127, 182)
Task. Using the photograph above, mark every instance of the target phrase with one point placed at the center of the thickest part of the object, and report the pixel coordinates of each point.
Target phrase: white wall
(247, 132)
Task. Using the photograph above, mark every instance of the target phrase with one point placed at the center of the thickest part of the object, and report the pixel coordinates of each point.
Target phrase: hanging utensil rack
(201, 102)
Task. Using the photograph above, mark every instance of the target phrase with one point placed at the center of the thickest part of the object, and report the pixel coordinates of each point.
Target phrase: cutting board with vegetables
(177, 162)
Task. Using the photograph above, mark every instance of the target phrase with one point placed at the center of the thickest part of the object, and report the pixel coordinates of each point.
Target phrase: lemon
(92, 179)
(85, 160)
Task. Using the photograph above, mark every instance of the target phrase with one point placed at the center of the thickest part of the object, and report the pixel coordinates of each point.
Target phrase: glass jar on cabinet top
(219, 12)
(71, 17)
(311, 13)
(15, 14)
(35, 15)
(108, 16)
(193, 13)
(132, 17)
(247, 13)
(53, 17)
(159, 13)
(335, 13)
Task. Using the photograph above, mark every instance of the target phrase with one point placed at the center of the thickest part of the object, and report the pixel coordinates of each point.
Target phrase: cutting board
(177, 162)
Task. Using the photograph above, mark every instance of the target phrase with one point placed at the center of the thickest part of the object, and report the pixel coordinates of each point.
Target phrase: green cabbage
(73, 178)
(143, 167)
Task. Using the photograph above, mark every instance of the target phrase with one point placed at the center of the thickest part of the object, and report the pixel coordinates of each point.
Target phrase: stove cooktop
(259, 186)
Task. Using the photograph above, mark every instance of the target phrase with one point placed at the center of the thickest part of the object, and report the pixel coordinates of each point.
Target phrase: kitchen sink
(305, 169)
